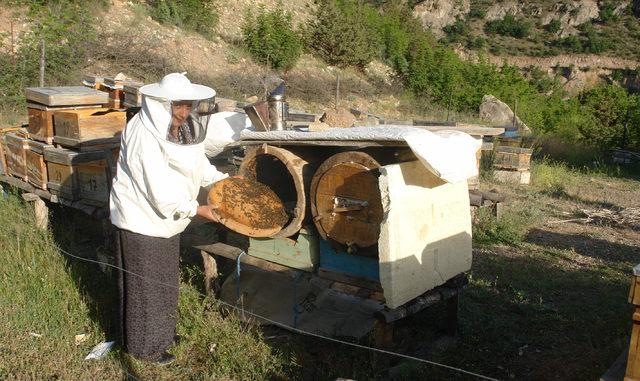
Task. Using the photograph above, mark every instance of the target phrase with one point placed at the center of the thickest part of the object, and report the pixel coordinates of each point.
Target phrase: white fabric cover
(450, 155)
(224, 128)
(157, 181)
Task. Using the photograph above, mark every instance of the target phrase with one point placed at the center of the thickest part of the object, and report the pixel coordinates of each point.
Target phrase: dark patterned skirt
(148, 291)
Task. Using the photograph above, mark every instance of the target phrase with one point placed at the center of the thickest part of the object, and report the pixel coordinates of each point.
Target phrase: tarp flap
(224, 128)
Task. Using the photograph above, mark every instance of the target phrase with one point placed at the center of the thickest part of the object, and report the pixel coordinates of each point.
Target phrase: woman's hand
(208, 213)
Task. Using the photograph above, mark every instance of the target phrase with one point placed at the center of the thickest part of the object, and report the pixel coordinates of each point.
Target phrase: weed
(511, 229)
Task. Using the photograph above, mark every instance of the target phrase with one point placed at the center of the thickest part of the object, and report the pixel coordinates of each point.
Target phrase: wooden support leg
(40, 208)
(452, 315)
(210, 273)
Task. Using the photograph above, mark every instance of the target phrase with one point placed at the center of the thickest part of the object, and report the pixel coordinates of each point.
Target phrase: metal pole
(337, 88)
(515, 110)
(42, 65)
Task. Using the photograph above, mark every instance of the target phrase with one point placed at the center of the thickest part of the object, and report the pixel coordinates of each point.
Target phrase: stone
(436, 14)
(226, 105)
(498, 113)
(252, 99)
(319, 126)
(340, 118)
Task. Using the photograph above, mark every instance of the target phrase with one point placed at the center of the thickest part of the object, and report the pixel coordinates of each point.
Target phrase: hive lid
(66, 96)
(248, 207)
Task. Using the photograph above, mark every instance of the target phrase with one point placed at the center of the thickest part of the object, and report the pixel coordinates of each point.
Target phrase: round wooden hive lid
(345, 199)
(248, 207)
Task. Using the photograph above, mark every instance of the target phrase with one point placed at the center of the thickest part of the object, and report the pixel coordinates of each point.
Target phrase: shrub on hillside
(270, 39)
(510, 26)
(553, 26)
(69, 37)
(196, 15)
(456, 32)
(340, 33)
(477, 13)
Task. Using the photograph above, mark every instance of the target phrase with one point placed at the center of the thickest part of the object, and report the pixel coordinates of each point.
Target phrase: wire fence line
(281, 325)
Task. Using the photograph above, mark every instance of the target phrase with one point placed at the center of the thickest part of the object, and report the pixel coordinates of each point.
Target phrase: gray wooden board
(331, 143)
(39, 106)
(66, 96)
(77, 143)
(38, 147)
(68, 157)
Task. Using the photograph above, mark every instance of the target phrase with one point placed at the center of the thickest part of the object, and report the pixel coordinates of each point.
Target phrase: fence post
(42, 62)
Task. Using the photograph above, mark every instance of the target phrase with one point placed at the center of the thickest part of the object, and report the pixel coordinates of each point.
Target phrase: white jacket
(157, 181)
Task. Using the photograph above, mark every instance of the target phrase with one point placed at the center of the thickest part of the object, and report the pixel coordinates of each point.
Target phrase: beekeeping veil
(157, 101)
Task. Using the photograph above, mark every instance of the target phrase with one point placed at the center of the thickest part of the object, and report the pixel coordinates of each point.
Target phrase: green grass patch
(48, 298)
(510, 229)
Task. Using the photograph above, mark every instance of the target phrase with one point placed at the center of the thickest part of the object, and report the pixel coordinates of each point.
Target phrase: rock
(621, 8)
(319, 126)
(226, 105)
(571, 14)
(341, 118)
(436, 14)
(252, 99)
(368, 121)
(496, 112)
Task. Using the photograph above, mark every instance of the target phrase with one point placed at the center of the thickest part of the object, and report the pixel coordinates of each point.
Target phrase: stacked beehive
(70, 144)
(512, 163)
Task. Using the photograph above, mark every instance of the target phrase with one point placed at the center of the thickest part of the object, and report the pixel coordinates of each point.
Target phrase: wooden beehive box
(301, 253)
(75, 128)
(63, 166)
(16, 147)
(43, 102)
(94, 82)
(132, 95)
(36, 167)
(513, 158)
(115, 87)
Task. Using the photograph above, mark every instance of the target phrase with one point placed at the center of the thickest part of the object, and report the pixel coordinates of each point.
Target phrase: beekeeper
(161, 167)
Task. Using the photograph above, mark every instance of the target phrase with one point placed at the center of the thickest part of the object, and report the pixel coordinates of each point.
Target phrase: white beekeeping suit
(157, 181)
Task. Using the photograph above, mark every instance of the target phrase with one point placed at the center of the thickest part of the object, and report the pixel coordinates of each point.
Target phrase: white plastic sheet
(224, 128)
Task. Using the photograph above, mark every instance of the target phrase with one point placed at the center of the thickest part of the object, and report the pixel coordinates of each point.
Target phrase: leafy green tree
(613, 111)
(270, 39)
(340, 33)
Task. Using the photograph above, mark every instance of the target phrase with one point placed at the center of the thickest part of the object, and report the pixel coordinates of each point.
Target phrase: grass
(56, 298)
(545, 301)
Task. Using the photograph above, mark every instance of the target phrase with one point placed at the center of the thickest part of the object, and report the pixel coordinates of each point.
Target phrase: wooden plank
(16, 148)
(90, 145)
(232, 253)
(36, 169)
(82, 126)
(66, 96)
(3, 159)
(18, 183)
(349, 279)
(301, 117)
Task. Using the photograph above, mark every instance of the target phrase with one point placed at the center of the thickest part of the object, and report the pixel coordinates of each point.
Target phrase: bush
(270, 38)
(509, 26)
(477, 13)
(615, 117)
(457, 31)
(553, 26)
(340, 33)
(196, 15)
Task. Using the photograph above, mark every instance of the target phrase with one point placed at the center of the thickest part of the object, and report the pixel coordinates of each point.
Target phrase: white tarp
(224, 128)
(450, 155)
